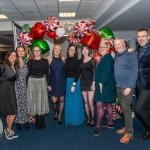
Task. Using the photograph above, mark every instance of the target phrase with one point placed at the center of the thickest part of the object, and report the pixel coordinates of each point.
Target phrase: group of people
(73, 85)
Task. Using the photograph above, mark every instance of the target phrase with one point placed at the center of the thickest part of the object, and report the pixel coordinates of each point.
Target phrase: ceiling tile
(72, 9)
(69, 4)
(90, 3)
(24, 4)
(46, 4)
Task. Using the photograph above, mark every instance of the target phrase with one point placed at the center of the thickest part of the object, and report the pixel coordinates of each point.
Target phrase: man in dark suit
(143, 81)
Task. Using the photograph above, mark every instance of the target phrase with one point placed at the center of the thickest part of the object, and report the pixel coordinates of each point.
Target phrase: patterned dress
(21, 94)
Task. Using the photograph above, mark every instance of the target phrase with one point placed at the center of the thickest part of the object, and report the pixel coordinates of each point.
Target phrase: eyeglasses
(143, 36)
(36, 50)
(103, 47)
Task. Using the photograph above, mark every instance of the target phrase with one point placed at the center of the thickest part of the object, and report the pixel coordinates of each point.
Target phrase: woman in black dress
(8, 102)
(88, 83)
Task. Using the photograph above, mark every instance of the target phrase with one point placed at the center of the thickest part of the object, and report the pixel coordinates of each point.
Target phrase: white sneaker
(14, 135)
(8, 135)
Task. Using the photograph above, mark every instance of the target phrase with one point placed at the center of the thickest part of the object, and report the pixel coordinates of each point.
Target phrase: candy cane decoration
(81, 28)
(91, 23)
(72, 39)
(24, 39)
(51, 23)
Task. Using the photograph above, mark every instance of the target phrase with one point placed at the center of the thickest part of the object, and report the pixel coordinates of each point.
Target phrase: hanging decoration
(24, 39)
(81, 32)
(81, 29)
(51, 23)
(26, 28)
(91, 39)
(51, 34)
(97, 57)
(38, 31)
(73, 39)
(106, 33)
(42, 44)
(60, 32)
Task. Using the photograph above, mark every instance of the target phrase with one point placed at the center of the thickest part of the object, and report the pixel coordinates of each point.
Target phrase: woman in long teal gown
(74, 112)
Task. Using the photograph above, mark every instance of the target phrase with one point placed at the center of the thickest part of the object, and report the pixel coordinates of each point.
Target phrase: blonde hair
(60, 55)
(105, 43)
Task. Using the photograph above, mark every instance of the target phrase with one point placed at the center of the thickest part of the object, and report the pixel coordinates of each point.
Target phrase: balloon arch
(81, 32)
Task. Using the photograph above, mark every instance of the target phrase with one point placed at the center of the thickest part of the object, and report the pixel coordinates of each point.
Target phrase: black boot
(27, 125)
(38, 122)
(43, 125)
(18, 125)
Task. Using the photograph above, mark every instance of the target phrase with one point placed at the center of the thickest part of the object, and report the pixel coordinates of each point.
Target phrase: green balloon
(42, 44)
(26, 28)
(25, 58)
(106, 33)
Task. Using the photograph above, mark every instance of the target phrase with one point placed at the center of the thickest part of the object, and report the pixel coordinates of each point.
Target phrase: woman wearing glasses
(105, 93)
(74, 112)
(38, 87)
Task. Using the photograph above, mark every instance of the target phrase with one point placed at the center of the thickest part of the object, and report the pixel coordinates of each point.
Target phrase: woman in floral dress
(21, 90)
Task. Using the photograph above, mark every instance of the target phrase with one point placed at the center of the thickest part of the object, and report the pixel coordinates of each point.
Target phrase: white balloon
(60, 32)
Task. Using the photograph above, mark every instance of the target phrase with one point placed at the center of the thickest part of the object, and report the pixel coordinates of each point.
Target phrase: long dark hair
(6, 60)
(82, 57)
(76, 52)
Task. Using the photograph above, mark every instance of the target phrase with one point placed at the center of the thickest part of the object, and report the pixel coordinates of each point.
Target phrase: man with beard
(143, 81)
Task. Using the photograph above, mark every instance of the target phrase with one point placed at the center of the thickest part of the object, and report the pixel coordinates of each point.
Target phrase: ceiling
(119, 15)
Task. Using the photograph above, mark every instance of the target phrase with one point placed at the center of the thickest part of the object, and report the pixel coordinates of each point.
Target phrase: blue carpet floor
(60, 137)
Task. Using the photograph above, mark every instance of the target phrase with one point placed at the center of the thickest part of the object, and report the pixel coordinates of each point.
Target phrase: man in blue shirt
(125, 71)
(143, 81)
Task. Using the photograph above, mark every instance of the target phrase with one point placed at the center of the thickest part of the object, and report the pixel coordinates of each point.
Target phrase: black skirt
(8, 102)
(86, 85)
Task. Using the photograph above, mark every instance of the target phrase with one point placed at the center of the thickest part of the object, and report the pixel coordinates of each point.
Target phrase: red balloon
(51, 34)
(91, 39)
(112, 49)
(97, 57)
(38, 31)
(40, 25)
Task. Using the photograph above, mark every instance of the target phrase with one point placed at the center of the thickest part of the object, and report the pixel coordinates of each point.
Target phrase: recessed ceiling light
(68, 0)
(68, 14)
(3, 16)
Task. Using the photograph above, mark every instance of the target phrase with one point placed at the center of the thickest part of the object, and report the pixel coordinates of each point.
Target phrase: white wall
(127, 35)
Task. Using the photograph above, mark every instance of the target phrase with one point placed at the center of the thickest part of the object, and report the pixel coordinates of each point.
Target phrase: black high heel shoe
(55, 117)
(92, 122)
(27, 125)
(88, 122)
(18, 126)
(60, 121)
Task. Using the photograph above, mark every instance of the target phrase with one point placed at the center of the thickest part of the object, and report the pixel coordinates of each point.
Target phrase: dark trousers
(125, 102)
(143, 107)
